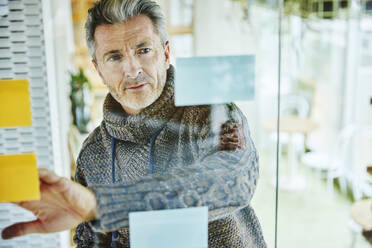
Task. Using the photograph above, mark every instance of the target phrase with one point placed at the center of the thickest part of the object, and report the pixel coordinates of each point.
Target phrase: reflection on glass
(325, 125)
(142, 152)
(148, 154)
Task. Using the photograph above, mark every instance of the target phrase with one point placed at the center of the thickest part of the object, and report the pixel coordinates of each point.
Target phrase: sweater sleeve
(222, 179)
(85, 236)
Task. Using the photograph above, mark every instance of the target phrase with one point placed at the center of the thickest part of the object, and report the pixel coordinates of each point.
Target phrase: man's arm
(222, 179)
(222, 188)
(64, 204)
(85, 236)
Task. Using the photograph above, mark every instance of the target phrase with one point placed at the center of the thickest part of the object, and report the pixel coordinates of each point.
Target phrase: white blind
(22, 55)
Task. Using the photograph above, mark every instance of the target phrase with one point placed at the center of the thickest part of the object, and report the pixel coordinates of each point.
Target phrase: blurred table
(291, 125)
(361, 212)
(369, 170)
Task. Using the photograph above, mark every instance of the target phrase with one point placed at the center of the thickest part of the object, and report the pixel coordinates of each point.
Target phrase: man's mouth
(137, 86)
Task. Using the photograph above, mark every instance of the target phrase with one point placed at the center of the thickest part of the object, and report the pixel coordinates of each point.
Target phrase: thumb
(20, 229)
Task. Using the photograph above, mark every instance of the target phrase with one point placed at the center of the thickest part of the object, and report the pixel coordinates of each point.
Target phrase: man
(148, 154)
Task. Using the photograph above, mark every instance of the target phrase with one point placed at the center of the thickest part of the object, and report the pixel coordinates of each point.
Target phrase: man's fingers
(48, 176)
(20, 229)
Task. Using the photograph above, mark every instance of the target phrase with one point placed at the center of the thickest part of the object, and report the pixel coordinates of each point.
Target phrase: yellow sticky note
(19, 179)
(15, 106)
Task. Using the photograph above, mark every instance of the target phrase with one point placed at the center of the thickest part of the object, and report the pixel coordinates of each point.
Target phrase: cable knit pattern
(191, 168)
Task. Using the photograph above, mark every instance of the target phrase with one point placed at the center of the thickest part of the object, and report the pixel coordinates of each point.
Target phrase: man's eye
(144, 50)
(115, 58)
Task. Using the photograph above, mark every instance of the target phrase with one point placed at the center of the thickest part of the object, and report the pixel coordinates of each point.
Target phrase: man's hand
(231, 137)
(63, 205)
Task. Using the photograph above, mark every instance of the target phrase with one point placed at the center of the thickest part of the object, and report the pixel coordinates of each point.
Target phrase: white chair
(338, 162)
(362, 180)
(335, 162)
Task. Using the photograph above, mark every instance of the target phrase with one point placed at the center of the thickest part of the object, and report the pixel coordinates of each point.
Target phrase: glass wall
(234, 44)
(325, 124)
(291, 76)
(236, 28)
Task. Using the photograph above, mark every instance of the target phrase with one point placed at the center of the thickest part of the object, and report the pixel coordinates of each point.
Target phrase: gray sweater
(200, 156)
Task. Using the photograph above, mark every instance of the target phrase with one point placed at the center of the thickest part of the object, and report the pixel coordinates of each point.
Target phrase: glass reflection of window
(180, 27)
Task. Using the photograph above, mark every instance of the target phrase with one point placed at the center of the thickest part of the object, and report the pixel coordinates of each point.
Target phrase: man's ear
(167, 53)
(97, 69)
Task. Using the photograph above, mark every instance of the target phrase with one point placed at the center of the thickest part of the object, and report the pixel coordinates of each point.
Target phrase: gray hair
(120, 11)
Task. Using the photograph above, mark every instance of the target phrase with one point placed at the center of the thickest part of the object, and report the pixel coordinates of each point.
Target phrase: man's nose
(132, 68)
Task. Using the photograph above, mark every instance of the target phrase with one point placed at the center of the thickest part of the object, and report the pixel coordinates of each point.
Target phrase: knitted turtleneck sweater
(190, 168)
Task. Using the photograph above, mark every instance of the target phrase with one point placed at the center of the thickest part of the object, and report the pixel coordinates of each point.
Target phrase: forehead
(134, 30)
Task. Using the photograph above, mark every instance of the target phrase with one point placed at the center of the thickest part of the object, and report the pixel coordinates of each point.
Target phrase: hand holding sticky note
(19, 180)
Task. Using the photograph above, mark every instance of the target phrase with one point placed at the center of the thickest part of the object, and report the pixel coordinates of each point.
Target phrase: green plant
(79, 96)
(78, 80)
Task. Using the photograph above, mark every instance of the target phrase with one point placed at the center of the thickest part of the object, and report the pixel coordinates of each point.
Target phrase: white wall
(58, 31)
(220, 29)
(60, 45)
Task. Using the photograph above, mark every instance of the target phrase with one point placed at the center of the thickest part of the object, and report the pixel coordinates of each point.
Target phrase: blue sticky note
(181, 228)
(213, 80)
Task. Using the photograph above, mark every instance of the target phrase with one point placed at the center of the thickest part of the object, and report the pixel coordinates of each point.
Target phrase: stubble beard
(140, 100)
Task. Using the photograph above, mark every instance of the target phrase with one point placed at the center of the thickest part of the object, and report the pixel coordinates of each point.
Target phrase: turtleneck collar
(139, 128)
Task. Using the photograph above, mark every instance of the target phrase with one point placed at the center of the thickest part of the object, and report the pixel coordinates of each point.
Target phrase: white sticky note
(181, 228)
(214, 80)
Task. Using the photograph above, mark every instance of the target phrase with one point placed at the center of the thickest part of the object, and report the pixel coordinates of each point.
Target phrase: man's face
(132, 62)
